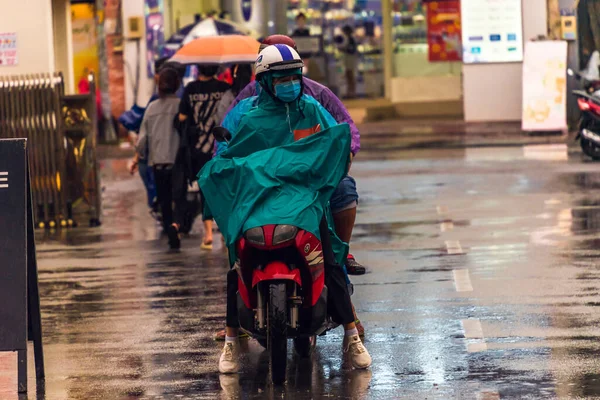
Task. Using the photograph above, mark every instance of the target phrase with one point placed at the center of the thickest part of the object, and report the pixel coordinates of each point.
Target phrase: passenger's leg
(342, 311)
(339, 304)
(343, 207)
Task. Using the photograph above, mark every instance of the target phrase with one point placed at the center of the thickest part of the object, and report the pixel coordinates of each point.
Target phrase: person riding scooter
(345, 199)
(282, 111)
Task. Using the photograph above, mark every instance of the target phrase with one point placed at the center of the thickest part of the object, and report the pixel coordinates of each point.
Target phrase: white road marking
(476, 347)
(446, 226)
(488, 395)
(546, 152)
(3, 173)
(552, 202)
(3, 186)
(453, 247)
(472, 328)
(462, 280)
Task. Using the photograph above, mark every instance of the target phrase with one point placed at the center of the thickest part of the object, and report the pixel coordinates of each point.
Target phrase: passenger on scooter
(283, 109)
(345, 199)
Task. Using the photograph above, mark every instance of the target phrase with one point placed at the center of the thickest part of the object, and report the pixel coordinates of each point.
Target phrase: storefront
(362, 48)
(425, 52)
(398, 57)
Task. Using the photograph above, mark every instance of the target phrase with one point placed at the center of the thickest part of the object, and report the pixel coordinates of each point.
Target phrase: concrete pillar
(388, 46)
(63, 42)
(264, 18)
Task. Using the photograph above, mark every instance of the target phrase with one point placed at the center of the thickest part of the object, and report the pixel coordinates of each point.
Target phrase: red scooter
(589, 122)
(281, 287)
(281, 291)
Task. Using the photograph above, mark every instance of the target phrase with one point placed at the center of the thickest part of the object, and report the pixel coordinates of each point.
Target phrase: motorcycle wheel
(277, 331)
(590, 149)
(304, 346)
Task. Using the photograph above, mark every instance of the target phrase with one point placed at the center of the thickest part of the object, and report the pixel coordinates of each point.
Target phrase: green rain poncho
(265, 177)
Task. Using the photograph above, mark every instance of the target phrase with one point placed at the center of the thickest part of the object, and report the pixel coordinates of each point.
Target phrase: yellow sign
(85, 46)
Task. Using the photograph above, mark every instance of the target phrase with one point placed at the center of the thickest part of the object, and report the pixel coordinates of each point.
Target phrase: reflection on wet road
(483, 283)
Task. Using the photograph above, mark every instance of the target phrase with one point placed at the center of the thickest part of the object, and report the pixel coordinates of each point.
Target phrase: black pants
(339, 305)
(171, 192)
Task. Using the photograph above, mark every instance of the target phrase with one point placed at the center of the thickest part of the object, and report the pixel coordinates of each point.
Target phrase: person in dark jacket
(198, 112)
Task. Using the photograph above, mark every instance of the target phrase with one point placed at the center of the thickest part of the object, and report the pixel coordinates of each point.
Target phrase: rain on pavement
(483, 283)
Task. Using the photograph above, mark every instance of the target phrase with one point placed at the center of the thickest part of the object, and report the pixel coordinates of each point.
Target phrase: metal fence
(61, 133)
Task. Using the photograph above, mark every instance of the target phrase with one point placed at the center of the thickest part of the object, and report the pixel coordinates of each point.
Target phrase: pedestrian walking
(197, 118)
(350, 51)
(159, 144)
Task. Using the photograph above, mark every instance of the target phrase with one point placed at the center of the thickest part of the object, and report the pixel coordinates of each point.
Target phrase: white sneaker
(229, 362)
(359, 356)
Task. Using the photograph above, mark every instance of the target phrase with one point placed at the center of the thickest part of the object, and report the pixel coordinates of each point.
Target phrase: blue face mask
(288, 91)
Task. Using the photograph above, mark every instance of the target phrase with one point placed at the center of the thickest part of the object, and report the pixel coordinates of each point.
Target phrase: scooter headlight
(284, 233)
(255, 236)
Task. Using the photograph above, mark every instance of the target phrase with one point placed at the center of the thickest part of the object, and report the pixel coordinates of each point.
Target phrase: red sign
(444, 30)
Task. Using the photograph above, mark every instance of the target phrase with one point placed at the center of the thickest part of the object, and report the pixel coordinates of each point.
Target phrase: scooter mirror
(221, 134)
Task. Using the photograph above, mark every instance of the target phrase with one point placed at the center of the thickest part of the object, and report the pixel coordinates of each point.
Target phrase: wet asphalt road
(483, 283)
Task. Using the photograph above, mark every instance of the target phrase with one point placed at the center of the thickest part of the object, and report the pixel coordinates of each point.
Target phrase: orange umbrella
(226, 49)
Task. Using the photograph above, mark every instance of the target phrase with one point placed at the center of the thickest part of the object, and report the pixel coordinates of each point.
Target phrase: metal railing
(61, 133)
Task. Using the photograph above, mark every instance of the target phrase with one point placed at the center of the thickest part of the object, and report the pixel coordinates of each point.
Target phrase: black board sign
(20, 317)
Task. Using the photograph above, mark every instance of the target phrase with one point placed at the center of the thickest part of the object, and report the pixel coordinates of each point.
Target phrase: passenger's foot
(353, 267)
(220, 335)
(174, 240)
(359, 356)
(229, 361)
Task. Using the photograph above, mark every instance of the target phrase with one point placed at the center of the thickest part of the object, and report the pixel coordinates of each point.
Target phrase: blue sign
(247, 9)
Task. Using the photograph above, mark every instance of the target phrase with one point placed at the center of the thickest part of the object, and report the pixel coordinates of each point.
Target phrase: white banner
(492, 31)
(545, 86)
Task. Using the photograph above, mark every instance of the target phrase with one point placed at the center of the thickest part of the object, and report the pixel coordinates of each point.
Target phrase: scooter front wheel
(304, 346)
(277, 314)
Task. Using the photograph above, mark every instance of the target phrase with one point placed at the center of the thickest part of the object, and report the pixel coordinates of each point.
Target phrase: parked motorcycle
(588, 101)
(281, 267)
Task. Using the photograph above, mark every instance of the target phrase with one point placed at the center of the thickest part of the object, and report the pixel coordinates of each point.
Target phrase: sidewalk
(401, 138)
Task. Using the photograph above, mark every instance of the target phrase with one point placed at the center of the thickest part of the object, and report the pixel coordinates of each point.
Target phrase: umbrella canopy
(178, 38)
(212, 27)
(204, 28)
(227, 49)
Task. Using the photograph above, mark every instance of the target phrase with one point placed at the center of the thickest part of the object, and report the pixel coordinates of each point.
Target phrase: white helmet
(278, 57)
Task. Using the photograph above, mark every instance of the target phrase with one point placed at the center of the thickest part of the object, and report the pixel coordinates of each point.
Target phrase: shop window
(325, 20)
(410, 56)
